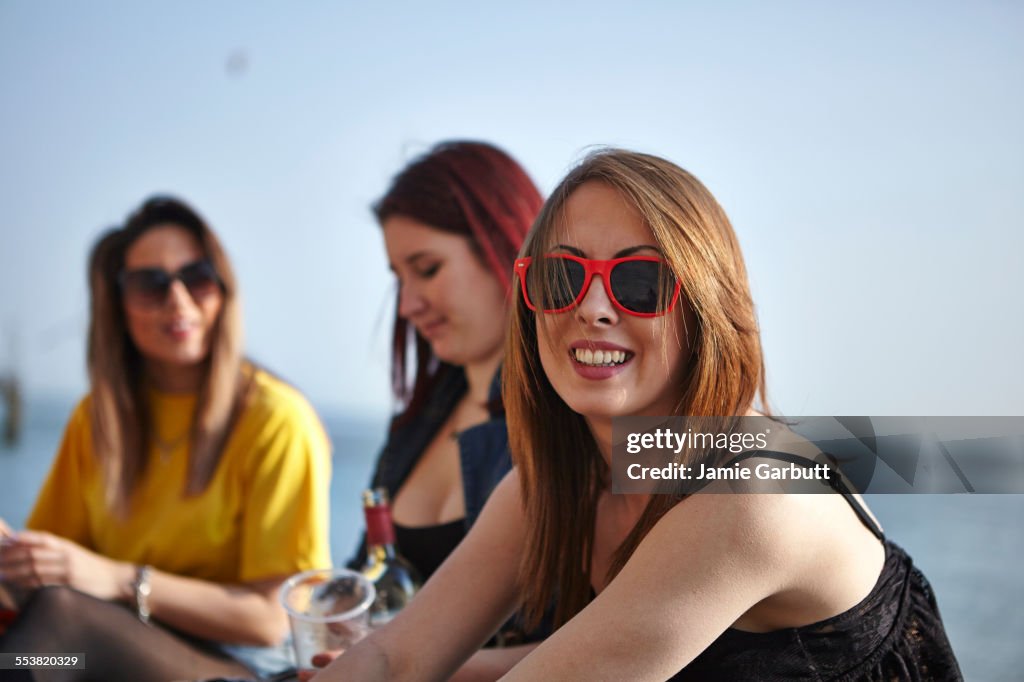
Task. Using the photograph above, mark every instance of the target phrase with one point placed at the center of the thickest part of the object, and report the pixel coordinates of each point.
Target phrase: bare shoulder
(774, 531)
(790, 541)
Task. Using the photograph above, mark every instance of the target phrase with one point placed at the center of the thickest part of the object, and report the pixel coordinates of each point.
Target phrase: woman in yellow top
(189, 483)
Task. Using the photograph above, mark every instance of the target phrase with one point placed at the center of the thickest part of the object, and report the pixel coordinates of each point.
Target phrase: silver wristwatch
(142, 589)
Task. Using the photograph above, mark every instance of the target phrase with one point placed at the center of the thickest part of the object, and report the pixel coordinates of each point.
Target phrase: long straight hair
(560, 469)
(472, 189)
(122, 428)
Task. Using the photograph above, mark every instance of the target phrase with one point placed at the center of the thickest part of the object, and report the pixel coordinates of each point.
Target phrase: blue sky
(871, 157)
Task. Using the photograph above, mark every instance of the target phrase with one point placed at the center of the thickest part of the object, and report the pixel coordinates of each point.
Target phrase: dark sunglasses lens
(200, 279)
(147, 286)
(641, 286)
(554, 283)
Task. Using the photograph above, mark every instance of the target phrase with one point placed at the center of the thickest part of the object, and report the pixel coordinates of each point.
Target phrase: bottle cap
(375, 497)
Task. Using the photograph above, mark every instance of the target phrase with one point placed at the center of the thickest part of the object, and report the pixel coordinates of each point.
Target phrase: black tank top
(894, 633)
(426, 547)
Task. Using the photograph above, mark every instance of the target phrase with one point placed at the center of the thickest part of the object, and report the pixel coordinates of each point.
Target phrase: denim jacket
(484, 456)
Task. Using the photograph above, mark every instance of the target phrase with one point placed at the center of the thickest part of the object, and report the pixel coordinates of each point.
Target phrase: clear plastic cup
(328, 610)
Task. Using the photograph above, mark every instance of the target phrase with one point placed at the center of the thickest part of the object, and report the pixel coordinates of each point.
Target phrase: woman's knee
(61, 612)
(42, 619)
(54, 602)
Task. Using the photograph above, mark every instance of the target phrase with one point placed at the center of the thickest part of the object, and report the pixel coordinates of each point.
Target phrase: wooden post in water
(11, 404)
(10, 396)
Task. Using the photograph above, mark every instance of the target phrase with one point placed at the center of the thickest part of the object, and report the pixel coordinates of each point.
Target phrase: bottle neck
(380, 531)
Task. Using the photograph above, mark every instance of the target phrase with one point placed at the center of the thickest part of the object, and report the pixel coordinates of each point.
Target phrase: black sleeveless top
(426, 547)
(894, 633)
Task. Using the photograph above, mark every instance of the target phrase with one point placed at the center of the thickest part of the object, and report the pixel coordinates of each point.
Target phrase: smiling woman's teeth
(602, 358)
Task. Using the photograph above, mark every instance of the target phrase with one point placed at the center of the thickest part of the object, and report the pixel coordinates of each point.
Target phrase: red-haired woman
(453, 221)
(189, 483)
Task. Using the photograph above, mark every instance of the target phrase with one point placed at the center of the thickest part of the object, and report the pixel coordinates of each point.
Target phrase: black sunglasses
(149, 286)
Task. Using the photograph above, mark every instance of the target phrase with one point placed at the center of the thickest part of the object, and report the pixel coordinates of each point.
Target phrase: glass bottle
(394, 577)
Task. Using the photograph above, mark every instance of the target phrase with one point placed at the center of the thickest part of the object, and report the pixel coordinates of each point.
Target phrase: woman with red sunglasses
(634, 301)
(189, 485)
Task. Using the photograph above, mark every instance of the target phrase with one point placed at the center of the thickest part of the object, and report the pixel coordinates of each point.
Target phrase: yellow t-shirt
(264, 514)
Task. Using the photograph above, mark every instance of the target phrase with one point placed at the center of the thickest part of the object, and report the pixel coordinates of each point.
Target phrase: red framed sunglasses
(638, 285)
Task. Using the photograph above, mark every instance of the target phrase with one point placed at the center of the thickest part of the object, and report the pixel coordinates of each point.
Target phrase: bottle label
(379, 529)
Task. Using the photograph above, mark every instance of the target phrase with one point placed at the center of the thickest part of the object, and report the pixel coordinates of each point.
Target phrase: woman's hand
(32, 559)
(11, 597)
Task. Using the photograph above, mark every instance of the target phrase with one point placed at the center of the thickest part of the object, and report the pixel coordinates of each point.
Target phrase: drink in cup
(328, 610)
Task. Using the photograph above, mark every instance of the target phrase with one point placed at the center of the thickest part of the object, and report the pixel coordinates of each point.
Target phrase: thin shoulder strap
(835, 481)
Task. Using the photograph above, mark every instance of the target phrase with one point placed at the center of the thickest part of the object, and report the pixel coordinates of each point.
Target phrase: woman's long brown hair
(561, 471)
(121, 420)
